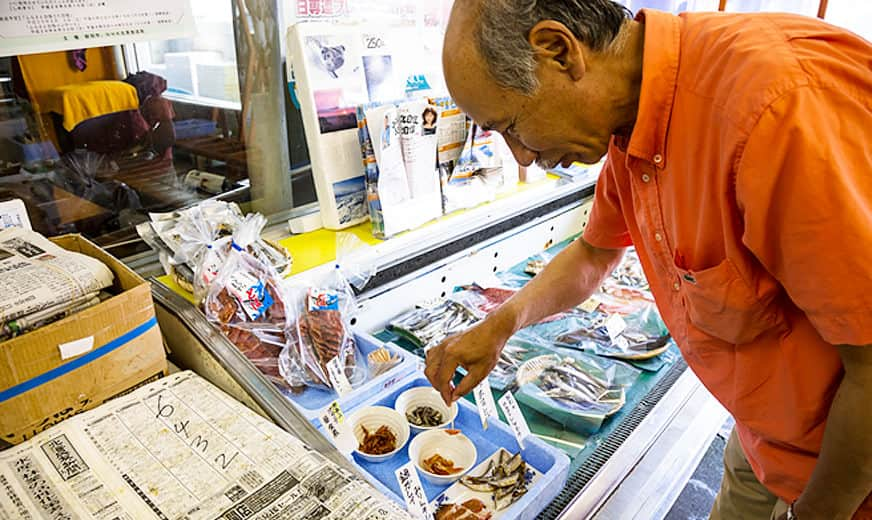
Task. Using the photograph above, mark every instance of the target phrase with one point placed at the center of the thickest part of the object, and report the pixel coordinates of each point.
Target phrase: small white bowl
(373, 418)
(425, 396)
(457, 448)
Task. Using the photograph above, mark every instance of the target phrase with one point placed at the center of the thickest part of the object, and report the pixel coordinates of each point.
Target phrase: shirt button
(658, 159)
(645, 178)
(676, 286)
(658, 237)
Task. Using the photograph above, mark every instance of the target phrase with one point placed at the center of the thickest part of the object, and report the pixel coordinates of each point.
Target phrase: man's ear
(555, 46)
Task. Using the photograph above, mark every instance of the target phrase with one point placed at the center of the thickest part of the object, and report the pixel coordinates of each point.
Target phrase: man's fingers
(473, 377)
(444, 376)
(432, 361)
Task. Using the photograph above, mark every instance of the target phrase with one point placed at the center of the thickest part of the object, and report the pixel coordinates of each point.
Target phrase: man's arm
(570, 278)
(842, 478)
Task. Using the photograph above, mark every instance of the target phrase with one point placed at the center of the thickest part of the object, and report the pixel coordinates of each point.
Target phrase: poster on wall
(33, 26)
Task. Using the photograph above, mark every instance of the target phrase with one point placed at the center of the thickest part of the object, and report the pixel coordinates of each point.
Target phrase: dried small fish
(424, 416)
(505, 477)
(428, 325)
(577, 389)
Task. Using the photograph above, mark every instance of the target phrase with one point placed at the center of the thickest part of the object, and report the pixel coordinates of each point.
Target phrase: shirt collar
(659, 78)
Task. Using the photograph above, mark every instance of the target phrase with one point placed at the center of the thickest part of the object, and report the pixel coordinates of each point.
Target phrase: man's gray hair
(505, 25)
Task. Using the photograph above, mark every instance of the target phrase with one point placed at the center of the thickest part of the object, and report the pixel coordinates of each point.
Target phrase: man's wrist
(506, 321)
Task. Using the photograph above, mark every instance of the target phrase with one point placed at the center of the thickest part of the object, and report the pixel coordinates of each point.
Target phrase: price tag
(590, 304)
(615, 325)
(484, 399)
(13, 213)
(413, 492)
(336, 373)
(337, 429)
(516, 419)
(622, 343)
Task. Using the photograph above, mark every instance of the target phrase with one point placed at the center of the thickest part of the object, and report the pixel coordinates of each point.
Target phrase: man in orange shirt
(739, 167)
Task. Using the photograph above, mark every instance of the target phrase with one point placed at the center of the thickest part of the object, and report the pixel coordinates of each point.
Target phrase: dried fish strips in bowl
(439, 465)
(578, 391)
(379, 442)
(505, 479)
(442, 456)
(380, 432)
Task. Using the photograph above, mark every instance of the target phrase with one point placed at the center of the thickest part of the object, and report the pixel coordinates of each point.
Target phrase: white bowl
(425, 396)
(457, 448)
(373, 418)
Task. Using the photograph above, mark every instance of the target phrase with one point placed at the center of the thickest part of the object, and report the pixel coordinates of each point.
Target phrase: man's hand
(568, 280)
(477, 350)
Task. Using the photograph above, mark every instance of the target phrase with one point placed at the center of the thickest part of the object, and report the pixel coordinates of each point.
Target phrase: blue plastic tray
(313, 400)
(550, 462)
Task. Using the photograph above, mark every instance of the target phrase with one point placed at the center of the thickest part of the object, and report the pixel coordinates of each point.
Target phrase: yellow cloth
(82, 101)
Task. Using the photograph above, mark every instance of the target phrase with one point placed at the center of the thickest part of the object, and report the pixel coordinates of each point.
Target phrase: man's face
(550, 127)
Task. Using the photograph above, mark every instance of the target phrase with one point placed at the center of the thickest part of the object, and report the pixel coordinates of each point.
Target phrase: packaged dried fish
(247, 303)
(186, 239)
(428, 324)
(325, 349)
(580, 391)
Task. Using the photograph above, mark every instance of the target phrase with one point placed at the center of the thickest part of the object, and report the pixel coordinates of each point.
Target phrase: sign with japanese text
(515, 418)
(337, 428)
(413, 491)
(33, 26)
(484, 400)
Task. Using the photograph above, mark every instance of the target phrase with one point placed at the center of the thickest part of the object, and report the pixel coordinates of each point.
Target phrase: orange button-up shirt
(746, 186)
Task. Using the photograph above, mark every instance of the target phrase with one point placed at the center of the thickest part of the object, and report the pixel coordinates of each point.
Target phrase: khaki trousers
(742, 496)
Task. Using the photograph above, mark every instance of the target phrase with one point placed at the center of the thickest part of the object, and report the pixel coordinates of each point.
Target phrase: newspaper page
(36, 274)
(178, 448)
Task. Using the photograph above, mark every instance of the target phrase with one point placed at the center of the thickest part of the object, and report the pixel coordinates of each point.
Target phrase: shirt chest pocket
(720, 303)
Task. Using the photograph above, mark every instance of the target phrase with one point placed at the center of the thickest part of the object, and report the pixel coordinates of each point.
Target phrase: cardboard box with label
(80, 362)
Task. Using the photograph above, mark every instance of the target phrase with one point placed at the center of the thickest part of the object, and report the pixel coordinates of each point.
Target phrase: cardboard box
(110, 349)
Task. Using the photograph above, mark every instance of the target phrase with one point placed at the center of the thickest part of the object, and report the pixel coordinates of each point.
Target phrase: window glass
(854, 15)
(806, 7)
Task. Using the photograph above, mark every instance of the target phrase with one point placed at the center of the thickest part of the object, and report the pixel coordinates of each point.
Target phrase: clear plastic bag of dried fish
(322, 329)
(246, 301)
(577, 390)
(429, 323)
(644, 334)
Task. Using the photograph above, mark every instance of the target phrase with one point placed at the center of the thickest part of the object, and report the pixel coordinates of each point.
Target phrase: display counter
(663, 404)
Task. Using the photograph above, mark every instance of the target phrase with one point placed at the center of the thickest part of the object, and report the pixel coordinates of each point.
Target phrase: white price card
(515, 418)
(336, 373)
(622, 343)
(338, 429)
(484, 400)
(615, 325)
(13, 213)
(413, 491)
(590, 304)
